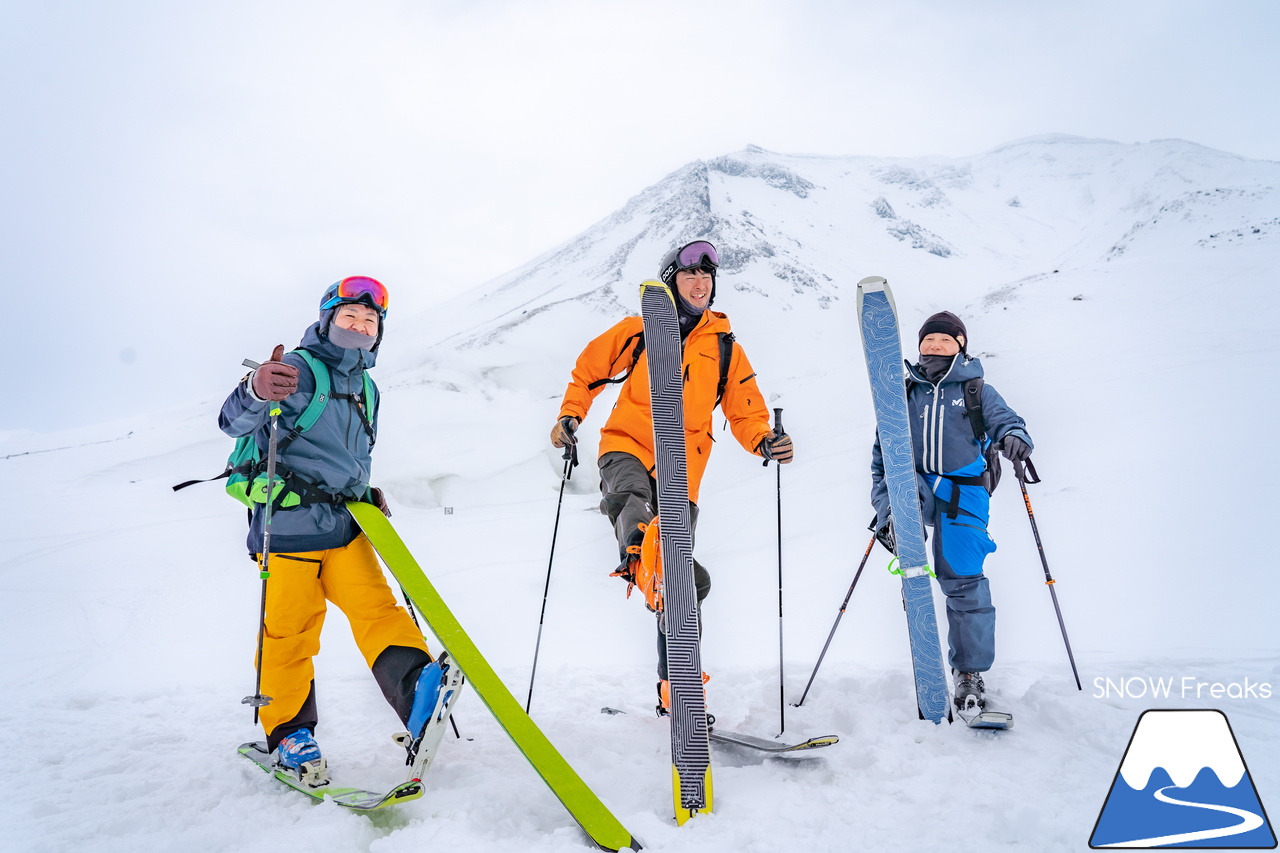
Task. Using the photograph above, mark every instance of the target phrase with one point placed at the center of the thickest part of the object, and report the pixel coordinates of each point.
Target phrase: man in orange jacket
(716, 372)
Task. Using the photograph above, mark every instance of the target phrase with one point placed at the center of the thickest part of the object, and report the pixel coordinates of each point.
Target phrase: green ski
(591, 814)
(356, 799)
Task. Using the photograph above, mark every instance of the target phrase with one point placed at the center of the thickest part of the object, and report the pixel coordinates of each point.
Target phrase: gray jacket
(333, 455)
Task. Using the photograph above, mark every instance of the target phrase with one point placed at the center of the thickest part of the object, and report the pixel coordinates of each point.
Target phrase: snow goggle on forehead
(357, 288)
(696, 254)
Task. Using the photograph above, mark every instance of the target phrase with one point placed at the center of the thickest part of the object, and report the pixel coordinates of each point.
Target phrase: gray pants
(629, 499)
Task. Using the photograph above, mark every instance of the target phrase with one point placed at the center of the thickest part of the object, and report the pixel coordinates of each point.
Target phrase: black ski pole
(257, 700)
(1029, 475)
(839, 616)
(570, 460)
(782, 701)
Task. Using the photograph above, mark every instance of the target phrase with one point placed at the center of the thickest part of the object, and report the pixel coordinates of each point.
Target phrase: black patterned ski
(678, 620)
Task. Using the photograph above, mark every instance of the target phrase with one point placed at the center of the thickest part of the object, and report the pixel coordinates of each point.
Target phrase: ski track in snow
(128, 614)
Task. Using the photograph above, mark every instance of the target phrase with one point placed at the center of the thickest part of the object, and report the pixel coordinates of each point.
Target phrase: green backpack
(246, 472)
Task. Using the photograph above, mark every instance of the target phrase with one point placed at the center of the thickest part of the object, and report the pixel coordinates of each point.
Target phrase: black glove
(1015, 449)
(778, 448)
(378, 499)
(884, 535)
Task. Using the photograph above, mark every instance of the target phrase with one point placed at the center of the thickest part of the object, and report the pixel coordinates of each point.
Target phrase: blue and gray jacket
(941, 435)
(333, 455)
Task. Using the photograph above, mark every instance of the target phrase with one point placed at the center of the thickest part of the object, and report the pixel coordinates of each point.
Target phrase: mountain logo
(1183, 783)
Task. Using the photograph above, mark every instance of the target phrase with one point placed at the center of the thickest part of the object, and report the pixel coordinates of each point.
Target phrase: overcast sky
(181, 180)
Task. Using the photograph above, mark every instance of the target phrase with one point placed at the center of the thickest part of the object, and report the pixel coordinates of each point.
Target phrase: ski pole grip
(251, 364)
(777, 422)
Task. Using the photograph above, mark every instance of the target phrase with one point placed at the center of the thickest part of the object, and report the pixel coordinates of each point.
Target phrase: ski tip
(654, 284)
(873, 283)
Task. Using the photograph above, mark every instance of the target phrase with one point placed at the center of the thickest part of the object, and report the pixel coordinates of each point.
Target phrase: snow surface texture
(1122, 298)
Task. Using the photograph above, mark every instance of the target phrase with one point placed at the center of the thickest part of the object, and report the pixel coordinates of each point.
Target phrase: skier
(954, 475)
(317, 551)
(711, 359)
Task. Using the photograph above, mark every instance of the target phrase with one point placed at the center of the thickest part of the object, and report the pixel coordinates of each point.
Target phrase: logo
(1183, 783)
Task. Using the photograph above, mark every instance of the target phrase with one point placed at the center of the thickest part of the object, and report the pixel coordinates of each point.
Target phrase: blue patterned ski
(690, 747)
(878, 321)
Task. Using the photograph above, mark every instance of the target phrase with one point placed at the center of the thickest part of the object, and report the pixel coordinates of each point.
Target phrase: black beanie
(948, 324)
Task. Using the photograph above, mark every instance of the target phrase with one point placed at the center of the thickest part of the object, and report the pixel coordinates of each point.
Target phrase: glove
(563, 432)
(884, 535)
(378, 499)
(275, 380)
(1015, 449)
(778, 448)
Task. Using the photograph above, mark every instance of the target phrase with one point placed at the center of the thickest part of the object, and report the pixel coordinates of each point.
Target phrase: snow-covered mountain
(1114, 293)
(1121, 298)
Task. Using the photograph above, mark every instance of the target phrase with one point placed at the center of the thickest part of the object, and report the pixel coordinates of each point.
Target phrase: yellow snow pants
(297, 589)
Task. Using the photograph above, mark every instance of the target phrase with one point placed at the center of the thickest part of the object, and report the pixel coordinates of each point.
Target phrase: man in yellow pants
(318, 553)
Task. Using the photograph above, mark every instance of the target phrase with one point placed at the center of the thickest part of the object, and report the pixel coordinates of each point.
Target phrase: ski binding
(356, 799)
(420, 751)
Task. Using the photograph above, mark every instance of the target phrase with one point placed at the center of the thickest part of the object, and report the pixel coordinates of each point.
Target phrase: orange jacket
(630, 425)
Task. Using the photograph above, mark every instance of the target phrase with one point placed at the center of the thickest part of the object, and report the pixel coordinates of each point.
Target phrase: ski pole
(839, 616)
(570, 460)
(782, 701)
(257, 700)
(1029, 475)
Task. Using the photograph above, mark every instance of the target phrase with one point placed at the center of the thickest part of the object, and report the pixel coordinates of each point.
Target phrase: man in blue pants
(952, 472)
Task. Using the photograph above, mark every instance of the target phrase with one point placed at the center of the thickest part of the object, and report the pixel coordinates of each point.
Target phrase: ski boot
(300, 754)
(438, 686)
(629, 566)
(970, 691)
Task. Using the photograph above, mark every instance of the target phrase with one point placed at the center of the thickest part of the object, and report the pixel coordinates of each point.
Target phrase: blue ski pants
(960, 546)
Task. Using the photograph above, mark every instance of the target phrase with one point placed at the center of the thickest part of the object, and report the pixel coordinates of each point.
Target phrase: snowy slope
(1121, 298)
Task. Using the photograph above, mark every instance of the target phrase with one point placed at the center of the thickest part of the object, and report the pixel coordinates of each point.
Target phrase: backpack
(726, 355)
(973, 411)
(246, 472)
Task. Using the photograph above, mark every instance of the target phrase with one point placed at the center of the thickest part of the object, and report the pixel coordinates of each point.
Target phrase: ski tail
(699, 798)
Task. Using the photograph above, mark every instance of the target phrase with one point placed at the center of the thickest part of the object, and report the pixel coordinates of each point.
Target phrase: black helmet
(699, 254)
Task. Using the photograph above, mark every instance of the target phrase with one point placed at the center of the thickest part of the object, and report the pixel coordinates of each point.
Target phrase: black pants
(630, 496)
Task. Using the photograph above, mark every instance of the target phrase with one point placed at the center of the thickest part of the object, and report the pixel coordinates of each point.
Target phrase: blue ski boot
(300, 754)
(425, 694)
(438, 686)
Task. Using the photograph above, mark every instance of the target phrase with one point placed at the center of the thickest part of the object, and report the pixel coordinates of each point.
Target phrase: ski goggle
(357, 288)
(697, 254)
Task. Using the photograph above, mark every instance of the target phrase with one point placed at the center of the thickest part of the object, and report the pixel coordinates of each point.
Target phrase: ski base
(356, 799)
(773, 747)
(591, 814)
